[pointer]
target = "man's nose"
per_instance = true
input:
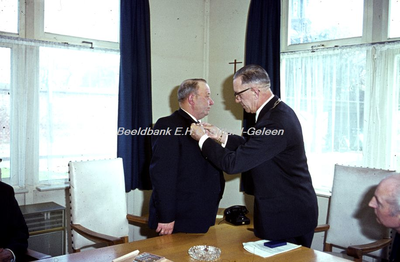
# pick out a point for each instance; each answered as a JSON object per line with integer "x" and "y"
{"x": 211, "y": 101}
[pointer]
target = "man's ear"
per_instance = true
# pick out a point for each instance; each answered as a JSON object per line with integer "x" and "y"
{"x": 256, "y": 91}
{"x": 191, "y": 99}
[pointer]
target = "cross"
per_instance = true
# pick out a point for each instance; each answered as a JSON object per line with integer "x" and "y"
{"x": 234, "y": 65}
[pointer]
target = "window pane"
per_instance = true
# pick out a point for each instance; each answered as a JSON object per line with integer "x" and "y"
{"x": 394, "y": 21}
{"x": 78, "y": 108}
{"x": 5, "y": 112}
{"x": 319, "y": 20}
{"x": 9, "y": 16}
{"x": 95, "y": 19}
{"x": 327, "y": 89}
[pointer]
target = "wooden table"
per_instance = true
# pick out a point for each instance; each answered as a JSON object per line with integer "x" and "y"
{"x": 175, "y": 247}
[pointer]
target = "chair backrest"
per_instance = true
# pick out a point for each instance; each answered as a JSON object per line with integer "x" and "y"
{"x": 351, "y": 220}
{"x": 97, "y": 198}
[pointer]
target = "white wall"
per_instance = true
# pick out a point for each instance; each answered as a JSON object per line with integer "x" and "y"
{"x": 178, "y": 49}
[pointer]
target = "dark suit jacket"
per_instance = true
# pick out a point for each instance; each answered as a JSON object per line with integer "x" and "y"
{"x": 13, "y": 230}
{"x": 395, "y": 250}
{"x": 186, "y": 187}
{"x": 285, "y": 201}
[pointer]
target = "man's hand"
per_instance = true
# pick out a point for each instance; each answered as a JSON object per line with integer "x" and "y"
{"x": 197, "y": 131}
{"x": 5, "y": 255}
{"x": 165, "y": 228}
{"x": 212, "y": 131}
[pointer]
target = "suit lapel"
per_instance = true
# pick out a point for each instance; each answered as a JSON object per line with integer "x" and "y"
{"x": 186, "y": 116}
{"x": 268, "y": 107}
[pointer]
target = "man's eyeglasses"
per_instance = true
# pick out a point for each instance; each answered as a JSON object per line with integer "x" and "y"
{"x": 238, "y": 93}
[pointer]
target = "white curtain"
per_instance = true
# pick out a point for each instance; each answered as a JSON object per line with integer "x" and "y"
{"x": 24, "y": 114}
{"x": 382, "y": 118}
{"x": 341, "y": 95}
{"x": 63, "y": 107}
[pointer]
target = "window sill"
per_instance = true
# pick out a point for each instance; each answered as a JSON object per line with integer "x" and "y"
{"x": 20, "y": 190}
{"x": 323, "y": 192}
{"x": 44, "y": 188}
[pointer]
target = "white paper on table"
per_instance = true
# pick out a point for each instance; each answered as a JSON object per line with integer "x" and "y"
{"x": 126, "y": 256}
{"x": 258, "y": 248}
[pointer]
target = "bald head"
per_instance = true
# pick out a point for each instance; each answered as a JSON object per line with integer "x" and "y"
{"x": 386, "y": 202}
{"x": 390, "y": 188}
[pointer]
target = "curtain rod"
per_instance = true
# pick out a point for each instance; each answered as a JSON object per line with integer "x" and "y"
{"x": 36, "y": 42}
{"x": 322, "y": 46}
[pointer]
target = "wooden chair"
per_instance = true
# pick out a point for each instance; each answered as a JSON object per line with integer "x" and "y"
{"x": 352, "y": 227}
{"x": 98, "y": 203}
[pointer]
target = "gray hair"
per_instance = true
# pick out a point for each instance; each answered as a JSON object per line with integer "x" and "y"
{"x": 253, "y": 74}
{"x": 188, "y": 87}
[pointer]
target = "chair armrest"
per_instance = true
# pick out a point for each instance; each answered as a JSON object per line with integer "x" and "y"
{"x": 137, "y": 220}
{"x": 357, "y": 251}
{"x": 321, "y": 228}
{"x": 35, "y": 255}
{"x": 97, "y": 237}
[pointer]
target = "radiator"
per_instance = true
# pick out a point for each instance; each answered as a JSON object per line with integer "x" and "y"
{"x": 46, "y": 225}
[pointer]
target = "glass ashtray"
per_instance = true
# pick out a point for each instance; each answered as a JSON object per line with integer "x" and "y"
{"x": 204, "y": 252}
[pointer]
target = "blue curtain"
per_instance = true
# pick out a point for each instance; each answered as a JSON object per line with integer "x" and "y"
{"x": 134, "y": 109}
{"x": 263, "y": 38}
{"x": 263, "y": 48}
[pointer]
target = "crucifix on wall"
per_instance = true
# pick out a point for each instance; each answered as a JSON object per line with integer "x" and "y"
{"x": 234, "y": 65}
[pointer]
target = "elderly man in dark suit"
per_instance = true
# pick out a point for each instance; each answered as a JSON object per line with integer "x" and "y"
{"x": 187, "y": 188}
{"x": 285, "y": 207}
{"x": 386, "y": 204}
{"x": 13, "y": 230}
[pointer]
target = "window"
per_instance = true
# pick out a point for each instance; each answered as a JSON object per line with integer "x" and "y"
{"x": 77, "y": 107}
{"x": 316, "y": 20}
{"x": 58, "y": 98}
{"x": 394, "y": 20}
{"x": 5, "y": 109}
{"x": 343, "y": 84}
{"x": 9, "y": 16}
{"x": 90, "y": 20}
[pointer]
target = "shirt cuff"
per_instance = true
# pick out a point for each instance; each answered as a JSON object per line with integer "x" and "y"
{"x": 226, "y": 141}
{"x": 12, "y": 260}
{"x": 202, "y": 139}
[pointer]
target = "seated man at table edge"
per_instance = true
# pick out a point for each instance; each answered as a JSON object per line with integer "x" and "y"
{"x": 386, "y": 204}
{"x": 13, "y": 230}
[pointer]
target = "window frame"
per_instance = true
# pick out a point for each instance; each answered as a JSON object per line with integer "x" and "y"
{"x": 31, "y": 26}
{"x": 375, "y": 28}
{"x": 375, "y": 33}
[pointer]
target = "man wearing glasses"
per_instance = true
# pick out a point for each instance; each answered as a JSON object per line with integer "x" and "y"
{"x": 285, "y": 203}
